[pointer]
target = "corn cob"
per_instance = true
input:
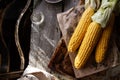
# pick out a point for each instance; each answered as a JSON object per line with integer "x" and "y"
{"x": 100, "y": 18}
{"x": 88, "y": 44}
{"x": 80, "y": 30}
{"x": 102, "y": 45}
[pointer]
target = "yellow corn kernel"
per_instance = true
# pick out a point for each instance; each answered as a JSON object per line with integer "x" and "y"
{"x": 102, "y": 45}
{"x": 91, "y": 37}
{"x": 80, "y": 30}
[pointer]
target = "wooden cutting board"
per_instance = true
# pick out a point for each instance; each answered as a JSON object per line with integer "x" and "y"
{"x": 67, "y": 21}
{"x": 91, "y": 67}
{"x": 112, "y": 57}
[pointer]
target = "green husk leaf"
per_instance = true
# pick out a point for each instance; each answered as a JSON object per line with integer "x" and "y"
{"x": 103, "y": 14}
{"x": 92, "y": 3}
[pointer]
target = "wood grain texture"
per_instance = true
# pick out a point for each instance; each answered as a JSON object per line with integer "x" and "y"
{"x": 48, "y": 34}
{"x": 71, "y": 3}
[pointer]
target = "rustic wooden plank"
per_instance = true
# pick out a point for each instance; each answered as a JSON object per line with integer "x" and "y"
{"x": 48, "y": 33}
{"x": 70, "y": 3}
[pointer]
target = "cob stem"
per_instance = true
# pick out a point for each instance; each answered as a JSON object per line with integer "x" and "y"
{"x": 95, "y": 4}
{"x": 103, "y": 14}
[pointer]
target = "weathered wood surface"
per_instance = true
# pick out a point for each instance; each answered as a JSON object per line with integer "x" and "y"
{"x": 45, "y": 37}
{"x": 49, "y": 32}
